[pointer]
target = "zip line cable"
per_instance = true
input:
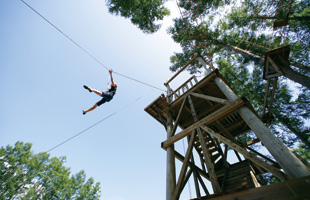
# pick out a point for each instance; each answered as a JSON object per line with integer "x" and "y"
{"x": 93, "y": 57}
{"x": 83, "y": 131}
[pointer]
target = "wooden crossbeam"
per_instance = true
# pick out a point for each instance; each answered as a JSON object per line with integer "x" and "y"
{"x": 207, "y": 97}
{"x": 275, "y": 65}
{"x": 187, "y": 176}
{"x": 205, "y": 189}
{"x": 188, "y": 154}
{"x": 249, "y": 143}
{"x": 178, "y": 117}
{"x": 265, "y": 157}
{"x": 192, "y": 165}
{"x": 207, "y": 120}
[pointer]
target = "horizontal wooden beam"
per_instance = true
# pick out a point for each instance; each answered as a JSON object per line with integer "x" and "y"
{"x": 249, "y": 143}
{"x": 182, "y": 69}
{"x": 206, "y": 97}
{"x": 207, "y": 120}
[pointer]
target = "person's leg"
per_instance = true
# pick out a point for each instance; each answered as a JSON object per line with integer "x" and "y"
{"x": 93, "y": 90}
{"x": 97, "y": 92}
{"x": 92, "y": 108}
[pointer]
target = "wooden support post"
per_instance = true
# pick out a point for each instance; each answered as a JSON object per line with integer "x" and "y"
{"x": 226, "y": 152}
{"x": 195, "y": 173}
{"x": 170, "y": 170}
{"x": 265, "y": 157}
{"x": 204, "y": 64}
{"x": 182, "y": 69}
{"x": 272, "y": 95}
{"x": 206, "y": 153}
{"x": 266, "y": 96}
{"x": 179, "y": 184}
{"x": 286, "y": 159}
{"x": 229, "y": 136}
{"x": 203, "y": 185}
{"x": 178, "y": 118}
{"x": 239, "y": 158}
{"x": 187, "y": 176}
{"x": 192, "y": 165}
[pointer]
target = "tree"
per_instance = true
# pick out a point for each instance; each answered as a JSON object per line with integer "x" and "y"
{"x": 142, "y": 13}
{"x": 25, "y": 175}
{"x": 243, "y": 28}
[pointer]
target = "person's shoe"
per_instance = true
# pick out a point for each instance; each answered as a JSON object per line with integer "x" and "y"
{"x": 87, "y": 88}
{"x": 84, "y": 112}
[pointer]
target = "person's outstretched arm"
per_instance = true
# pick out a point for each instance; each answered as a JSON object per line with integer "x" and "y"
{"x": 113, "y": 84}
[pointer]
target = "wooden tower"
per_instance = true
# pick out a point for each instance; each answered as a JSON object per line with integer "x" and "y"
{"x": 212, "y": 118}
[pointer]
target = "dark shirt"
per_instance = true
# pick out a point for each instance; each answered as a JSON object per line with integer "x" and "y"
{"x": 112, "y": 91}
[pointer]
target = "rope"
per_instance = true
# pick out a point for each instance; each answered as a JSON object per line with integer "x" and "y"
{"x": 89, "y": 54}
{"x": 93, "y": 125}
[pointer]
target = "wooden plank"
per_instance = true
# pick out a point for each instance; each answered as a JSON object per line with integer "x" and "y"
{"x": 294, "y": 189}
{"x": 265, "y": 157}
{"x": 272, "y": 95}
{"x": 207, "y": 97}
{"x": 178, "y": 117}
{"x": 160, "y": 115}
{"x": 249, "y": 143}
{"x": 208, "y": 160}
{"x": 188, "y": 154}
{"x": 275, "y": 65}
{"x": 198, "y": 85}
{"x": 280, "y": 23}
{"x": 182, "y": 69}
{"x": 207, "y": 120}
{"x": 203, "y": 185}
{"x": 178, "y": 90}
{"x": 246, "y": 154}
{"x": 192, "y": 165}
{"x": 187, "y": 176}
{"x": 266, "y": 96}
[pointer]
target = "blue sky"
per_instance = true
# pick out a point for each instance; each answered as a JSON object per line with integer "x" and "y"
{"x": 42, "y": 74}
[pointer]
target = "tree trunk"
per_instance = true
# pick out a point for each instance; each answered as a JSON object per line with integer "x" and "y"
{"x": 299, "y": 18}
{"x": 287, "y": 71}
{"x": 260, "y": 60}
{"x": 297, "y": 133}
{"x": 300, "y": 66}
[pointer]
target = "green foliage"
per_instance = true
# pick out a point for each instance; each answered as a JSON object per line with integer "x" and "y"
{"x": 244, "y": 25}
{"x": 142, "y": 13}
{"x": 25, "y": 175}
{"x": 304, "y": 152}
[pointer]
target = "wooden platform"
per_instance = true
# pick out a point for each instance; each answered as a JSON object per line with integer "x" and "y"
{"x": 208, "y": 120}
{"x": 207, "y": 99}
{"x": 274, "y": 61}
{"x": 294, "y": 189}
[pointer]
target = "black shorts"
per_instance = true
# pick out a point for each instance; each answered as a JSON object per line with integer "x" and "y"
{"x": 106, "y": 97}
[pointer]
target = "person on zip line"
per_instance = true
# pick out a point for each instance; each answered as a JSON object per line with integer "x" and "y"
{"x": 106, "y": 96}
